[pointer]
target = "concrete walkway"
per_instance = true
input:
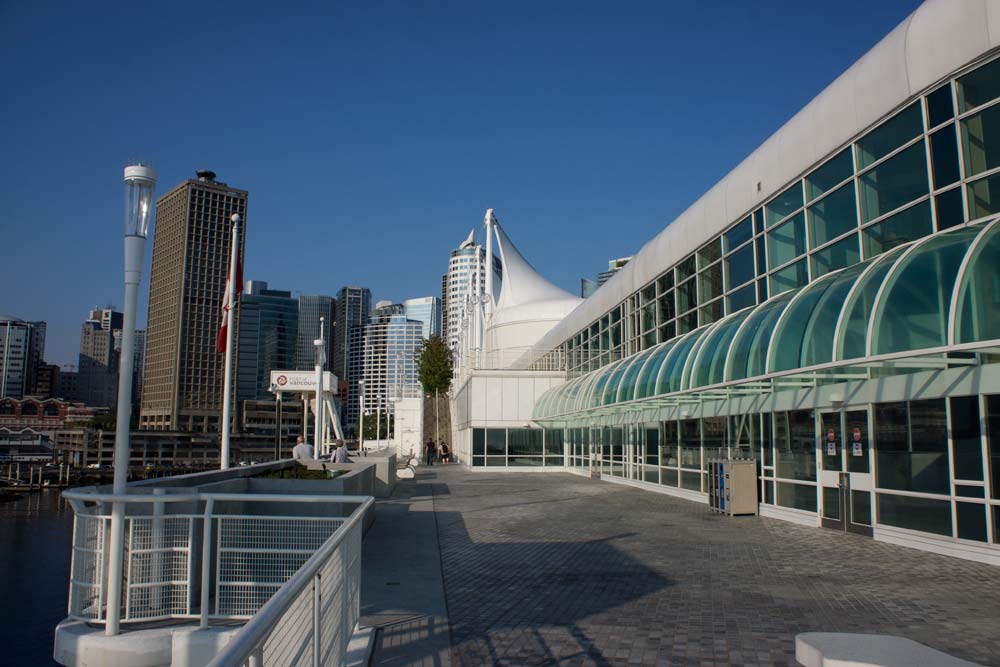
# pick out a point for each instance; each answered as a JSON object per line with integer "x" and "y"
{"x": 402, "y": 592}
{"x": 556, "y": 569}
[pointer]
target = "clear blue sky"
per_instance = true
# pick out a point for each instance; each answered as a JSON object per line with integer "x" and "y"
{"x": 373, "y": 135}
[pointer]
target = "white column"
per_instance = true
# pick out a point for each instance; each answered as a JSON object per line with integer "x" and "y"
{"x": 227, "y": 397}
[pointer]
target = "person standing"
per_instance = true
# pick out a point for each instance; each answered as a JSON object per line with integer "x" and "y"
{"x": 429, "y": 452}
{"x": 340, "y": 453}
{"x": 302, "y": 451}
{"x": 444, "y": 452}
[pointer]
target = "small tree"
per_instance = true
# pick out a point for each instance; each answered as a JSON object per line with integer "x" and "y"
{"x": 434, "y": 365}
{"x": 435, "y": 372}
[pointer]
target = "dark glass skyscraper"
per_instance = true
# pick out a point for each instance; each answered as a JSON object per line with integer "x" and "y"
{"x": 311, "y": 308}
{"x": 353, "y": 305}
{"x": 268, "y": 338}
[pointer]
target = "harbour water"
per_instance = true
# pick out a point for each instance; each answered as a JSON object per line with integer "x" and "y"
{"x": 34, "y": 575}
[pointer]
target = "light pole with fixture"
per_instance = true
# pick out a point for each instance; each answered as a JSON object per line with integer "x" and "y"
{"x": 361, "y": 416}
{"x": 140, "y": 182}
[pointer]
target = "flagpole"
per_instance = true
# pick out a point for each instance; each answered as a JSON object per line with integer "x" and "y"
{"x": 227, "y": 397}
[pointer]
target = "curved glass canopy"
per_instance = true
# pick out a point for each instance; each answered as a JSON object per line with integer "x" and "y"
{"x": 941, "y": 290}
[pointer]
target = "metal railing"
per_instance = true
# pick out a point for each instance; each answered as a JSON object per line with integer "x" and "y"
{"x": 188, "y": 564}
{"x": 310, "y": 619}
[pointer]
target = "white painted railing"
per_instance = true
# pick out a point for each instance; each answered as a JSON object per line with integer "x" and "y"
{"x": 187, "y": 564}
{"x": 310, "y": 619}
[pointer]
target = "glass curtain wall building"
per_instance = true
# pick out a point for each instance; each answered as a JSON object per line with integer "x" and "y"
{"x": 268, "y": 338}
{"x": 426, "y": 310}
{"x": 841, "y": 327}
{"x": 390, "y": 357}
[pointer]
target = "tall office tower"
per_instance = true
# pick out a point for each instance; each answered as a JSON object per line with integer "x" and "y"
{"x": 47, "y": 382}
{"x": 427, "y": 310}
{"x": 183, "y": 377}
{"x": 390, "y": 350}
{"x": 22, "y": 346}
{"x": 443, "y": 320}
{"x": 462, "y": 265}
{"x": 353, "y": 306}
{"x": 311, "y": 308}
{"x": 69, "y": 383}
{"x": 269, "y": 328}
{"x": 99, "y": 357}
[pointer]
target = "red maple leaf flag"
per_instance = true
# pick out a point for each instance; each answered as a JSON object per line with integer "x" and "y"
{"x": 221, "y": 344}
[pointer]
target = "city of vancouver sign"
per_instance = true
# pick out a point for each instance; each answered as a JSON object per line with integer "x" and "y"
{"x": 299, "y": 381}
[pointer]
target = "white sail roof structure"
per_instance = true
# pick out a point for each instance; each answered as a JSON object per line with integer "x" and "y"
{"x": 528, "y": 305}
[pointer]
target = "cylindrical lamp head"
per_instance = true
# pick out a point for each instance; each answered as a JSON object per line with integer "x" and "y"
{"x": 140, "y": 181}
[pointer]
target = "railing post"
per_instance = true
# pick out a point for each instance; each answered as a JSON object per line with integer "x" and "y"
{"x": 115, "y": 547}
{"x": 256, "y": 658}
{"x": 316, "y": 624}
{"x": 206, "y": 559}
{"x": 156, "y": 599}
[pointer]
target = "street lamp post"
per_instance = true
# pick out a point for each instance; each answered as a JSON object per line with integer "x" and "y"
{"x": 140, "y": 181}
{"x": 361, "y": 416}
{"x": 277, "y": 423}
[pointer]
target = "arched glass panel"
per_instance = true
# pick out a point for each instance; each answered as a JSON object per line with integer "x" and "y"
{"x": 645, "y": 384}
{"x": 583, "y": 401}
{"x": 712, "y": 363}
{"x": 611, "y": 388}
{"x": 913, "y": 313}
{"x": 596, "y": 394}
{"x": 703, "y": 335}
{"x": 817, "y": 340}
{"x": 786, "y": 342}
{"x": 569, "y": 399}
{"x": 626, "y": 389}
{"x": 748, "y": 351}
{"x": 857, "y": 312}
{"x": 540, "y": 409}
{"x": 672, "y": 369}
{"x": 979, "y": 301}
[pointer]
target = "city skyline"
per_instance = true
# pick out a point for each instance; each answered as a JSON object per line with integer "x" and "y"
{"x": 546, "y": 152}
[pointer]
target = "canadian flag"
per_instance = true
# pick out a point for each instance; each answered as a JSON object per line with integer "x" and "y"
{"x": 221, "y": 344}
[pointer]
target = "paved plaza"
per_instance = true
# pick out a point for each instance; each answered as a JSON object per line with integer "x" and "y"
{"x": 556, "y": 569}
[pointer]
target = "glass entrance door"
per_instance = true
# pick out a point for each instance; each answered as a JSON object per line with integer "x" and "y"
{"x": 845, "y": 476}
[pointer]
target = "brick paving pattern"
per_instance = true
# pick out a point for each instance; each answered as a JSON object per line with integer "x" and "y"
{"x": 556, "y": 569}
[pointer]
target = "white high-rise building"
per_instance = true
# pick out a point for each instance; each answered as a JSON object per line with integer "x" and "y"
{"x": 462, "y": 265}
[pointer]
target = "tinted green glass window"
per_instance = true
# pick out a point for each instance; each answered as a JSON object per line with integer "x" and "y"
{"x": 686, "y": 323}
{"x": 496, "y": 442}
{"x": 788, "y": 338}
{"x": 854, "y": 329}
{"x": 710, "y": 313}
{"x": 795, "y": 446}
{"x": 912, "y": 456}
{"x": 923, "y": 514}
{"x": 710, "y": 283}
{"x": 787, "y": 241}
{"x": 708, "y": 254}
{"x": 667, "y": 310}
{"x": 817, "y": 341}
{"x": 739, "y": 267}
{"x": 984, "y": 197}
{"x": 738, "y": 235}
{"x": 665, "y": 282}
{"x": 978, "y": 87}
{"x": 745, "y": 296}
{"x": 893, "y": 183}
{"x": 948, "y": 208}
{"x": 966, "y": 440}
{"x": 889, "y": 136}
{"x": 971, "y": 521}
{"x": 979, "y": 299}
{"x": 981, "y": 141}
{"x": 784, "y": 204}
{"x": 761, "y": 259}
{"x": 905, "y": 226}
{"x": 790, "y": 277}
{"x": 668, "y": 331}
{"x": 762, "y": 290}
{"x": 686, "y": 296}
{"x": 685, "y": 268}
{"x": 944, "y": 157}
{"x": 834, "y": 215}
{"x": 939, "y": 106}
{"x": 915, "y": 307}
{"x": 758, "y": 221}
{"x": 830, "y": 174}
{"x": 479, "y": 442}
{"x": 842, "y": 253}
